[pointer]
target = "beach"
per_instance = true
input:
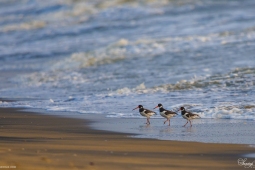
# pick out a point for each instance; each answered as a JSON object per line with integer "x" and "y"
{"x": 38, "y": 141}
{"x": 71, "y": 72}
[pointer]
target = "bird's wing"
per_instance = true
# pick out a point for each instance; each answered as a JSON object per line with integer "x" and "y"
{"x": 168, "y": 112}
{"x": 146, "y": 111}
{"x": 189, "y": 114}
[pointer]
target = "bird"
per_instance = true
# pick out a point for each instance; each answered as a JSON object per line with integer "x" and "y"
{"x": 145, "y": 112}
{"x": 165, "y": 113}
{"x": 188, "y": 115}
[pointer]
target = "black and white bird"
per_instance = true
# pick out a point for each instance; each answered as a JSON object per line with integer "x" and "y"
{"x": 188, "y": 115}
{"x": 165, "y": 113}
{"x": 145, "y": 112}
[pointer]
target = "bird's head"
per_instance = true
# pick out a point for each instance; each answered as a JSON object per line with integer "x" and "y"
{"x": 159, "y": 105}
{"x": 139, "y": 106}
{"x": 182, "y": 109}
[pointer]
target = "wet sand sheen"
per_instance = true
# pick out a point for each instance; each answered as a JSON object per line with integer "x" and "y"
{"x": 35, "y": 141}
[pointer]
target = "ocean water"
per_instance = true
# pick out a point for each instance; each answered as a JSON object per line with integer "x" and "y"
{"x": 106, "y": 57}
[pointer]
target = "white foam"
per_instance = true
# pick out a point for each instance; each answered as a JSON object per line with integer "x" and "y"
{"x": 230, "y": 112}
{"x": 139, "y": 89}
{"x": 24, "y": 26}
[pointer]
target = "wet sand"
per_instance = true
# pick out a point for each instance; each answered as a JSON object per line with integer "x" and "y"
{"x": 36, "y": 141}
{"x": 203, "y": 130}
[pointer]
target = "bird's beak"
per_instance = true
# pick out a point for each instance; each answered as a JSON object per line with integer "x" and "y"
{"x": 135, "y": 108}
{"x": 155, "y": 107}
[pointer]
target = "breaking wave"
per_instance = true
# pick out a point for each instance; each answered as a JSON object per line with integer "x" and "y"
{"x": 242, "y": 78}
{"x": 111, "y": 54}
{"x": 227, "y": 111}
{"x": 238, "y": 78}
{"x": 24, "y": 26}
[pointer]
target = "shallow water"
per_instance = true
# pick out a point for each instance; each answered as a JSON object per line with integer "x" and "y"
{"x": 106, "y": 57}
{"x": 203, "y": 130}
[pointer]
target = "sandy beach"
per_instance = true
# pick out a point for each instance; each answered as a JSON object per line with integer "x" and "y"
{"x": 37, "y": 141}
{"x": 72, "y": 71}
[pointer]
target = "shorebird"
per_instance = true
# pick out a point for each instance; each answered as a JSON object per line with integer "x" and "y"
{"x": 145, "y": 112}
{"x": 165, "y": 113}
{"x": 188, "y": 115}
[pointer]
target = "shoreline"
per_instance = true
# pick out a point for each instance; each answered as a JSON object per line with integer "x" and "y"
{"x": 38, "y": 141}
{"x": 228, "y": 131}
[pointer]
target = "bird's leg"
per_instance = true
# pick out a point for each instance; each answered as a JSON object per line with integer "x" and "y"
{"x": 169, "y": 122}
{"x": 190, "y": 123}
{"x": 165, "y": 121}
{"x": 185, "y": 124}
{"x": 148, "y": 121}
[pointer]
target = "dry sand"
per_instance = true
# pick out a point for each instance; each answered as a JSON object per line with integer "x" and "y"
{"x": 36, "y": 141}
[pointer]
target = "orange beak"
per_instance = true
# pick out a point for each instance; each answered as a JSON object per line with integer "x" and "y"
{"x": 136, "y": 108}
{"x": 155, "y": 107}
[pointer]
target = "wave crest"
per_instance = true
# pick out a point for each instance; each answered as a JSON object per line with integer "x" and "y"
{"x": 24, "y": 26}
{"x": 140, "y": 89}
{"x": 108, "y": 55}
{"x": 238, "y": 78}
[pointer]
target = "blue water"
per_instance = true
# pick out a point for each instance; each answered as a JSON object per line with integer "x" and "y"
{"x": 106, "y": 57}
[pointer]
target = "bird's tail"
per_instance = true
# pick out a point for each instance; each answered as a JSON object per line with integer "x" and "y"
{"x": 197, "y": 116}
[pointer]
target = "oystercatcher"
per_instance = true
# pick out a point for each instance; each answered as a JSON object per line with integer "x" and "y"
{"x": 145, "y": 112}
{"x": 165, "y": 113}
{"x": 188, "y": 115}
